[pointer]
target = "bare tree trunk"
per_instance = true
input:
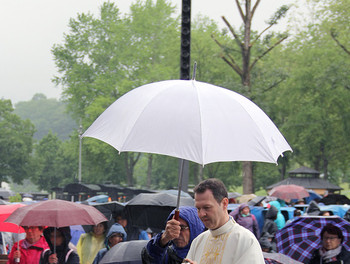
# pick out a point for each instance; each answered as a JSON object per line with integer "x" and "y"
{"x": 247, "y": 167}
{"x": 130, "y": 161}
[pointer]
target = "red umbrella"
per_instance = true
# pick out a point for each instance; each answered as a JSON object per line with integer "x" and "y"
{"x": 5, "y": 212}
{"x": 56, "y": 213}
{"x": 289, "y": 191}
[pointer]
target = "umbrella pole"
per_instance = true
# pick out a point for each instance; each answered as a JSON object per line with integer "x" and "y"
{"x": 177, "y": 211}
{"x": 3, "y": 243}
{"x": 54, "y": 241}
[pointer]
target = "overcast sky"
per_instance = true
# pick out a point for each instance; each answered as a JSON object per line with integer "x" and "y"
{"x": 30, "y": 28}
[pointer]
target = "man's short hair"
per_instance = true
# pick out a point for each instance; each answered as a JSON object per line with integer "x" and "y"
{"x": 216, "y": 186}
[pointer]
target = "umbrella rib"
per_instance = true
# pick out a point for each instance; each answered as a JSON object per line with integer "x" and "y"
{"x": 193, "y": 82}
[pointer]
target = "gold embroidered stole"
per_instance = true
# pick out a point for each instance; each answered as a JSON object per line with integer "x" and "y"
{"x": 214, "y": 249}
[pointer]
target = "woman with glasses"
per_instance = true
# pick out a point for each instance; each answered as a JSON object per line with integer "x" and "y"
{"x": 331, "y": 250}
{"x": 30, "y": 248}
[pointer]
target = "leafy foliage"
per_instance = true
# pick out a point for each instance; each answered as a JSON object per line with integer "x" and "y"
{"x": 46, "y": 114}
{"x": 16, "y": 140}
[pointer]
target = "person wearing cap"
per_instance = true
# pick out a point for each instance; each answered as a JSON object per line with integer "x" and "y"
{"x": 172, "y": 245}
{"x": 115, "y": 235}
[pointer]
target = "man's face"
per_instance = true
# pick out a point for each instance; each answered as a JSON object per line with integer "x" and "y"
{"x": 33, "y": 234}
{"x": 184, "y": 236}
{"x": 115, "y": 239}
{"x": 210, "y": 211}
{"x": 330, "y": 241}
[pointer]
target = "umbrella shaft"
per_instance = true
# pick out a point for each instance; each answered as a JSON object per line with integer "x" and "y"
{"x": 180, "y": 183}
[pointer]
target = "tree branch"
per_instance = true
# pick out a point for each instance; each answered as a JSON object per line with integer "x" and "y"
{"x": 333, "y": 34}
{"x": 255, "y": 6}
{"x": 237, "y": 39}
{"x": 262, "y": 32}
{"x": 240, "y": 9}
{"x": 267, "y": 51}
{"x": 273, "y": 85}
{"x": 232, "y": 63}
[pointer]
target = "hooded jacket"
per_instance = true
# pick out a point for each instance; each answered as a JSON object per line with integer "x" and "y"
{"x": 64, "y": 253}
{"x": 155, "y": 254}
{"x": 248, "y": 221}
{"x": 115, "y": 228}
{"x": 280, "y": 221}
{"x": 269, "y": 229}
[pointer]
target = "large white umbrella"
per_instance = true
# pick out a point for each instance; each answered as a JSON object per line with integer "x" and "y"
{"x": 190, "y": 120}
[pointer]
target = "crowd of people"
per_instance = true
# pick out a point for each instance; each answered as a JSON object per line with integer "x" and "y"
{"x": 206, "y": 233}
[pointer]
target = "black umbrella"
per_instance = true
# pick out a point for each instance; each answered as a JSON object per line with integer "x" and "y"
{"x": 110, "y": 210}
{"x": 255, "y": 201}
{"x": 335, "y": 199}
{"x": 125, "y": 253}
{"x": 152, "y": 209}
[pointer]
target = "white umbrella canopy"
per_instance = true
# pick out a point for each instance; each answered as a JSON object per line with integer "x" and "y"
{"x": 190, "y": 120}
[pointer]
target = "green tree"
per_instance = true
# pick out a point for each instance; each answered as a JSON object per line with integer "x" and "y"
{"x": 46, "y": 114}
{"x": 318, "y": 95}
{"x": 103, "y": 58}
{"x": 16, "y": 140}
{"x": 240, "y": 58}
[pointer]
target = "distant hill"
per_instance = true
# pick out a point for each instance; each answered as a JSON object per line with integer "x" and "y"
{"x": 46, "y": 114}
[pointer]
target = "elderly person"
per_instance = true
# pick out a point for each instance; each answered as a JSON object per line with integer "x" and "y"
{"x": 172, "y": 245}
{"x": 331, "y": 250}
{"x": 30, "y": 248}
{"x": 243, "y": 217}
{"x": 115, "y": 235}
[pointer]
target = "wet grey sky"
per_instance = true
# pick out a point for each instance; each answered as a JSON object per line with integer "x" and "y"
{"x": 29, "y": 29}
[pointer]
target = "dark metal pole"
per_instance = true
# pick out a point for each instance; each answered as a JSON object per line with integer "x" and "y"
{"x": 185, "y": 63}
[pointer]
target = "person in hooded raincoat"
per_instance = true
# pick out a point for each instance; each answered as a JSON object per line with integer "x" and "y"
{"x": 173, "y": 251}
{"x": 267, "y": 239}
{"x": 90, "y": 244}
{"x": 243, "y": 217}
{"x": 115, "y": 235}
{"x": 63, "y": 254}
{"x": 280, "y": 220}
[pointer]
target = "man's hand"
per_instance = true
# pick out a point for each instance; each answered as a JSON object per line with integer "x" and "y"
{"x": 188, "y": 261}
{"x": 172, "y": 231}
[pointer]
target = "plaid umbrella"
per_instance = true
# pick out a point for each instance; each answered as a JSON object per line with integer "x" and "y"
{"x": 300, "y": 238}
{"x": 278, "y": 258}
